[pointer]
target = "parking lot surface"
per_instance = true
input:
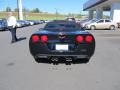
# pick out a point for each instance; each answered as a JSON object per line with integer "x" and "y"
{"x": 19, "y": 71}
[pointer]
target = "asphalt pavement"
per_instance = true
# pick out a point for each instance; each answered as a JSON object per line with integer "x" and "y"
{"x": 19, "y": 71}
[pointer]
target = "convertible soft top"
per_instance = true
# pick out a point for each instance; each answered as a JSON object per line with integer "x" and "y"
{"x": 62, "y": 24}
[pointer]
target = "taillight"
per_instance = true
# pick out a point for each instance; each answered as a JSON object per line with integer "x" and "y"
{"x": 79, "y": 39}
{"x": 44, "y": 38}
{"x": 35, "y": 38}
{"x": 89, "y": 39}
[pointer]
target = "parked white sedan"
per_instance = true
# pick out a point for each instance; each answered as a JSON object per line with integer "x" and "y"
{"x": 102, "y": 24}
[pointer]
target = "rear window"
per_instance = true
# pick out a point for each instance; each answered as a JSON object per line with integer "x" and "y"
{"x": 61, "y": 26}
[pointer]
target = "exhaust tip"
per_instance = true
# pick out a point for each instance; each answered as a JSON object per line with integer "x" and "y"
{"x": 68, "y": 59}
{"x": 57, "y": 60}
{"x": 54, "y": 59}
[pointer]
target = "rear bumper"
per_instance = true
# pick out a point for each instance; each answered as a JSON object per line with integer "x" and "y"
{"x": 57, "y": 55}
{"x": 41, "y": 51}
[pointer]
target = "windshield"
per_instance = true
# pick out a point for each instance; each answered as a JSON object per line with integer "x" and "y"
{"x": 93, "y": 21}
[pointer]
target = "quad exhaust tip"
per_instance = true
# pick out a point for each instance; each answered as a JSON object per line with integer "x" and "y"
{"x": 56, "y": 60}
{"x": 68, "y": 59}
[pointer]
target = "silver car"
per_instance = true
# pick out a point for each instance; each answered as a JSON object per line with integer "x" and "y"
{"x": 102, "y": 24}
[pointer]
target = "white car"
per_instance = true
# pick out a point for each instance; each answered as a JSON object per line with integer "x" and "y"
{"x": 83, "y": 24}
{"x": 31, "y": 22}
{"x": 18, "y": 25}
{"x": 102, "y": 24}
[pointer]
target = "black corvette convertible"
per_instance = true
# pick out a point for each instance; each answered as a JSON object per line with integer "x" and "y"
{"x": 62, "y": 41}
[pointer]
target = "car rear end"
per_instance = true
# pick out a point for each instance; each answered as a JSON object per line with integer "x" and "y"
{"x": 72, "y": 46}
{"x": 62, "y": 41}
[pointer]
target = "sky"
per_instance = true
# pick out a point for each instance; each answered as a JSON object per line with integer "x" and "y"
{"x": 62, "y": 6}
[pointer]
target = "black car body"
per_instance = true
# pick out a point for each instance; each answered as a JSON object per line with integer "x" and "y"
{"x": 3, "y": 24}
{"x": 62, "y": 41}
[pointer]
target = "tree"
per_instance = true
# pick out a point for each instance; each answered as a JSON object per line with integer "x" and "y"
{"x": 8, "y": 9}
{"x": 25, "y": 10}
{"x": 36, "y": 10}
{"x": 16, "y": 9}
{"x": 71, "y": 15}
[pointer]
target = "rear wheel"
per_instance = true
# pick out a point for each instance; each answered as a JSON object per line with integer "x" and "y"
{"x": 86, "y": 60}
{"x": 37, "y": 60}
{"x": 92, "y": 27}
{"x": 68, "y": 63}
{"x": 112, "y": 27}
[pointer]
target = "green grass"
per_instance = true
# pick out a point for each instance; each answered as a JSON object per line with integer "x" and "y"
{"x": 36, "y": 16}
{"x": 44, "y": 17}
{"x": 3, "y": 15}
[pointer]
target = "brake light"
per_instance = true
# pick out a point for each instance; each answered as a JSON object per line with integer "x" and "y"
{"x": 89, "y": 39}
{"x": 35, "y": 38}
{"x": 44, "y": 38}
{"x": 79, "y": 39}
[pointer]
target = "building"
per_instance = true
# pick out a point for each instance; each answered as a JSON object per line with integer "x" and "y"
{"x": 103, "y": 5}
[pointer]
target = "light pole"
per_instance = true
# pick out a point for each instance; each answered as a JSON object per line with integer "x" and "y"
{"x": 56, "y": 12}
{"x": 20, "y": 13}
{"x": 18, "y": 10}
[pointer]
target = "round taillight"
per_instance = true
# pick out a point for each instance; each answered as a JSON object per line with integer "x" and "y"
{"x": 44, "y": 38}
{"x": 89, "y": 39}
{"x": 79, "y": 39}
{"x": 35, "y": 38}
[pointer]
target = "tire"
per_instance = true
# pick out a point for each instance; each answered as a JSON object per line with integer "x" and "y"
{"x": 68, "y": 63}
{"x": 55, "y": 63}
{"x": 112, "y": 27}
{"x": 86, "y": 60}
{"x": 92, "y": 27}
{"x": 37, "y": 60}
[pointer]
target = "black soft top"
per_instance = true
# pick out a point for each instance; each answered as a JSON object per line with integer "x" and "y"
{"x": 62, "y": 25}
